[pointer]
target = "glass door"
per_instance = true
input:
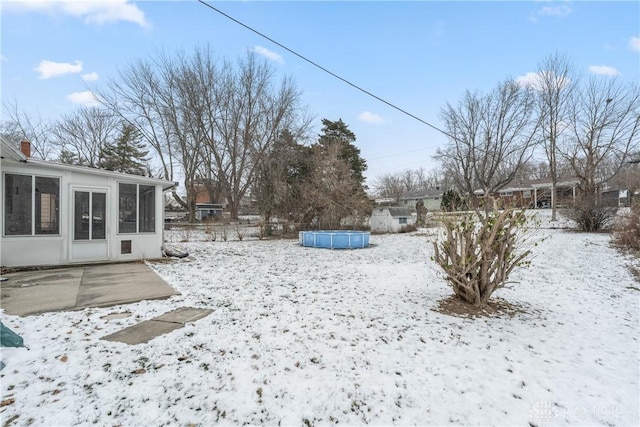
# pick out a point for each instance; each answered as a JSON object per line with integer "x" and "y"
{"x": 89, "y": 231}
{"x": 89, "y": 215}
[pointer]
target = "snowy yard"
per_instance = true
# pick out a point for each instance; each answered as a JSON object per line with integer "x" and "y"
{"x": 303, "y": 336}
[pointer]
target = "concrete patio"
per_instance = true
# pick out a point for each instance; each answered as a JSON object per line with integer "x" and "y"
{"x": 32, "y": 292}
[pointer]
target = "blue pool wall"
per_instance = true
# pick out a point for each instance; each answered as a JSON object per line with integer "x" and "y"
{"x": 334, "y": 239}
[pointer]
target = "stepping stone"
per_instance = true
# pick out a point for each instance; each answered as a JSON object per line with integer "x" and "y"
{"x": 149, "y": 329}
{"x": 184, "y": 315}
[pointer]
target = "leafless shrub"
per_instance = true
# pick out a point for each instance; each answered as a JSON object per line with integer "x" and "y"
{"x": 626, "y": 230}
{"x": 223, "y": 234}
{"x": 408, "y": 228}
{"x": 480, "y": 250}
{"x": 262, "y": 232}
{"x": 590, "y": 214}
{"x": 211, "y": 232}
{"x": 240, "y": 232}
{"x": 185, "y": 233}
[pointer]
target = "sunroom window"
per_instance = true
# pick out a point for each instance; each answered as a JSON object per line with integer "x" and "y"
{"x": 136, "y": 208}
{"x": 31, "y": 205}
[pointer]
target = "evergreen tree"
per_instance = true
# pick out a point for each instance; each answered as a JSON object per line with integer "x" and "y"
{"x": 339, "y": 133}
{"x": 452, "y": 201}
{"x": 281, "y": 176}
{"x": 336, "y": 189}
{"x": 127, "y": 154}
{"x": 68, "y": 157}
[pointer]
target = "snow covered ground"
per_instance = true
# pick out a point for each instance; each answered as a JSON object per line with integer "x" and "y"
{"x": 303, "y": 336}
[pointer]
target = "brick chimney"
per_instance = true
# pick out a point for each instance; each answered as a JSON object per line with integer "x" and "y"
{"x": 25, "y": 147}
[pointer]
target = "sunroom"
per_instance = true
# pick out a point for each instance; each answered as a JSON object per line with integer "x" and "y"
{"x": 59, "y": 214}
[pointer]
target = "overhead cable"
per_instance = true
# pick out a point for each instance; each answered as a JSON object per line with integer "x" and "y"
{"x": 326, "y": 70}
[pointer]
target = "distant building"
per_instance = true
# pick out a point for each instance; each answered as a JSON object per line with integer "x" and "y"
{"x": 530, "y": 193}
{"x": 390, "y": 220}
{"x": 208, "y": 211}
{"x": 432, "y": 199}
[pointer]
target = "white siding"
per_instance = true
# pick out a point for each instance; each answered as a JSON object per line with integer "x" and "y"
{"x": 60, "y": 249}
{"x": 383, "y": 222}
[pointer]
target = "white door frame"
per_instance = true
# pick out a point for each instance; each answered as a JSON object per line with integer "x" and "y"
{"x": 88, "y": 250}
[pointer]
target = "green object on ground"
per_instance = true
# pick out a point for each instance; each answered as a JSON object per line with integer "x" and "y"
{"x": 8, "y": 338}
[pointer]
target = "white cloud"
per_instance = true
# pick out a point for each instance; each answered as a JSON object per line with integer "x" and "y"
{"x": 93, "y": 12}
{"x": 86, "y": 98}
{"x": 538, "y": 80}
{"x": 370, "y": 118}
{"x": 268, "y": 54}
{"x": 556, "y": 10}
{"x": 634, "y": 43}
{"x": 49, "y": 69}
{"x": 604, "y": 70}
{"x": 529, "y": 79}
{"x": 90, "y": 77}
{"x": 560, "y": 10}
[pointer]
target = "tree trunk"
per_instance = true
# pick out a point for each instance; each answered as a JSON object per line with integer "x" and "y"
{"x": 553, "y": 198}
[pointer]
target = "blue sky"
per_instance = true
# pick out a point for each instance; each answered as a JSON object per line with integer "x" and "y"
{"x": 417, "y": 55}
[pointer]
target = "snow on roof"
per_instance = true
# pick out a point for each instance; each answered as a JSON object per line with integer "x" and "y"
{"x": 7, "y": 150}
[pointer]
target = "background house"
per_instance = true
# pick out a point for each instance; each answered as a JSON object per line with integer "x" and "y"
{"x": 532, "y": 193}
{"x": 614, "y": 197}
{"x": 57, "y": 214}
{"x": 390, "y": 220}
{"x": 432, "y": 199}
{"x": 208, "y": 211}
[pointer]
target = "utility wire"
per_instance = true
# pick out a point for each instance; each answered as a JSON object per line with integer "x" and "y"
{"x": 325, "y": 70}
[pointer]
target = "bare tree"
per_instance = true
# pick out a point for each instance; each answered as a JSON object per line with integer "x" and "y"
{"x": 534, "y": 169}
{"x": 281, "y": 177}
{"x": 554, "y": 83}
{"x": 204, "y": 119}
{"x": 389, "y": 186}
{"x": 21, "y": 126}
{"x": 394, "y": 185}
{"x": 415, "y": 179}
{"x": 85, "y": 134}
{"x": 462, "y": 123}
{"x": 605, "y": 131}
{"x": 435, "y": 179}
{"x": 491, "y": 137}
{"x": 605, "y": 119}
{"x": 150, "y": 95}
{"x": 251, "y": 113}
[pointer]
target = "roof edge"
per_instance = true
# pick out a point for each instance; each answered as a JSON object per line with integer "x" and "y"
{"x": 13, "y": 152}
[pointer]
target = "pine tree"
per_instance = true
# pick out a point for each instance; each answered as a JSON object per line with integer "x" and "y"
{"x": 339, "y": 133}
{"x": 127, "y": 154}
{"x": 68, "y": 157}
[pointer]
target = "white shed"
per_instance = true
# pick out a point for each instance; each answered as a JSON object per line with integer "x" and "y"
{"x": 390, "y": 220}
{"x": 58, "y": 214}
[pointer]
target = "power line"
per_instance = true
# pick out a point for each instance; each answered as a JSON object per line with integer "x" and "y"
{"x": 399, "y": 154}
{"x": 326, "y": 70}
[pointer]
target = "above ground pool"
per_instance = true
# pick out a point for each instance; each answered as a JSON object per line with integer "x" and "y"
{"x": 334, "y": 239}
